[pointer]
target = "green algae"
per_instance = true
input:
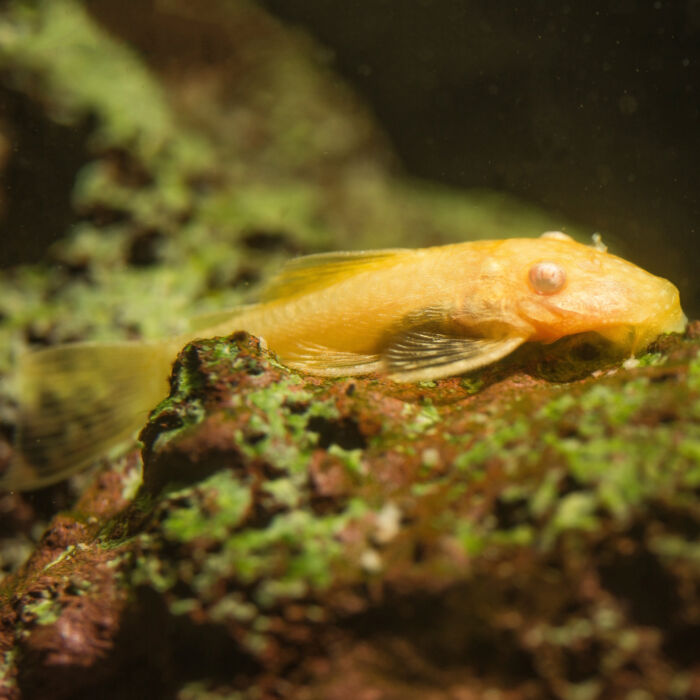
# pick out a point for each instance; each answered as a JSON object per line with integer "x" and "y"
{"x": 283, "y": 436}
{"x": 227, "y": 501}
{"x": 181, "y": 403}
{"x": 419, "y": 419}
{"x": 350, "y": 459}
{"x": 313, "y": 543}
{"x": 69, "y": 550}
{"x": 8, "y": 661}
{"x": 617, "y": 462}
{"x": 44, "y": 611}
{"x": 295, "y": 552}
{"x": 57, "y": 39}
{"x": 472, "y": 385}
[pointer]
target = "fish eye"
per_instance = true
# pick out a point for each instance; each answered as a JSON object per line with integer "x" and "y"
{"x": 547, "y": 277}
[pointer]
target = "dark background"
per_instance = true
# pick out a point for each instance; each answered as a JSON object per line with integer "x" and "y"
{"x": 588, "y": 108}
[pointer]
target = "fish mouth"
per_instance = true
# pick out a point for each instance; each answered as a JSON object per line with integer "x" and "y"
{"x": 576, "y": 356}
{"x": 624, "y": 336}
{"x": 681, "y": 323}
{"x": 637, "y": 337}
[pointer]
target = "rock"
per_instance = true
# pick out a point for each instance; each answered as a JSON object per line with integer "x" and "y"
{"x": 312, "y": 538}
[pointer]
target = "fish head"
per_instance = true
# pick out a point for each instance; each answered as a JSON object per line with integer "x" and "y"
{"x": 560, "y": 287}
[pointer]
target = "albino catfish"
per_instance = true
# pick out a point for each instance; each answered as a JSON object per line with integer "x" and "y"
{"x": 408, "y": 314}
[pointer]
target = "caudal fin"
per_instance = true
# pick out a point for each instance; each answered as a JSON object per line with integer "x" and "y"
{"x": 79, "y": 400}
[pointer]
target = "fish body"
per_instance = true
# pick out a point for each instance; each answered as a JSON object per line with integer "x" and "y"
{"x": 409, "y": 314}
{"x": 341, "y": 313}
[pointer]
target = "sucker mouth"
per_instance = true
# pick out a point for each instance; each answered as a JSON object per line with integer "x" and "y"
{"x": 624, "y": 336}
{"x": 681, "y": 324}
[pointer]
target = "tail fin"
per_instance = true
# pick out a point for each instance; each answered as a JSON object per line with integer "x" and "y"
{"x": 77, "y": 401}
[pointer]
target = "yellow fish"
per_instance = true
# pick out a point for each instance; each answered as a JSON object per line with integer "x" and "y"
{"x": 408, "y": 314}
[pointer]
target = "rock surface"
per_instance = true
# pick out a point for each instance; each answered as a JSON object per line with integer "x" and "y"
{"x": 306, "y": 538}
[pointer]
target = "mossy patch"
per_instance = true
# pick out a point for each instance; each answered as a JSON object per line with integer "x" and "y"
{"x": 219, "y": 505}
{"x": 44, "y": 611}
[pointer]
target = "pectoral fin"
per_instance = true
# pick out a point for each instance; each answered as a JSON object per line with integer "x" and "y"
{"x": 420, "y": 354}
{"x": 327, "y": 362}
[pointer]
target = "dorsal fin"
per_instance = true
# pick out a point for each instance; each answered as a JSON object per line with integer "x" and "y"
{"x": 313, "y": 272}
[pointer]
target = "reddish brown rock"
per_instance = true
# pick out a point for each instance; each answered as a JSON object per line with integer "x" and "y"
{"x": 313, "y": 538}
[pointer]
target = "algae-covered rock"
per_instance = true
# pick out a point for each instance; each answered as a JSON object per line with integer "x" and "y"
{"x": 526, "y": 531}
{"x": 306, "y": 538}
